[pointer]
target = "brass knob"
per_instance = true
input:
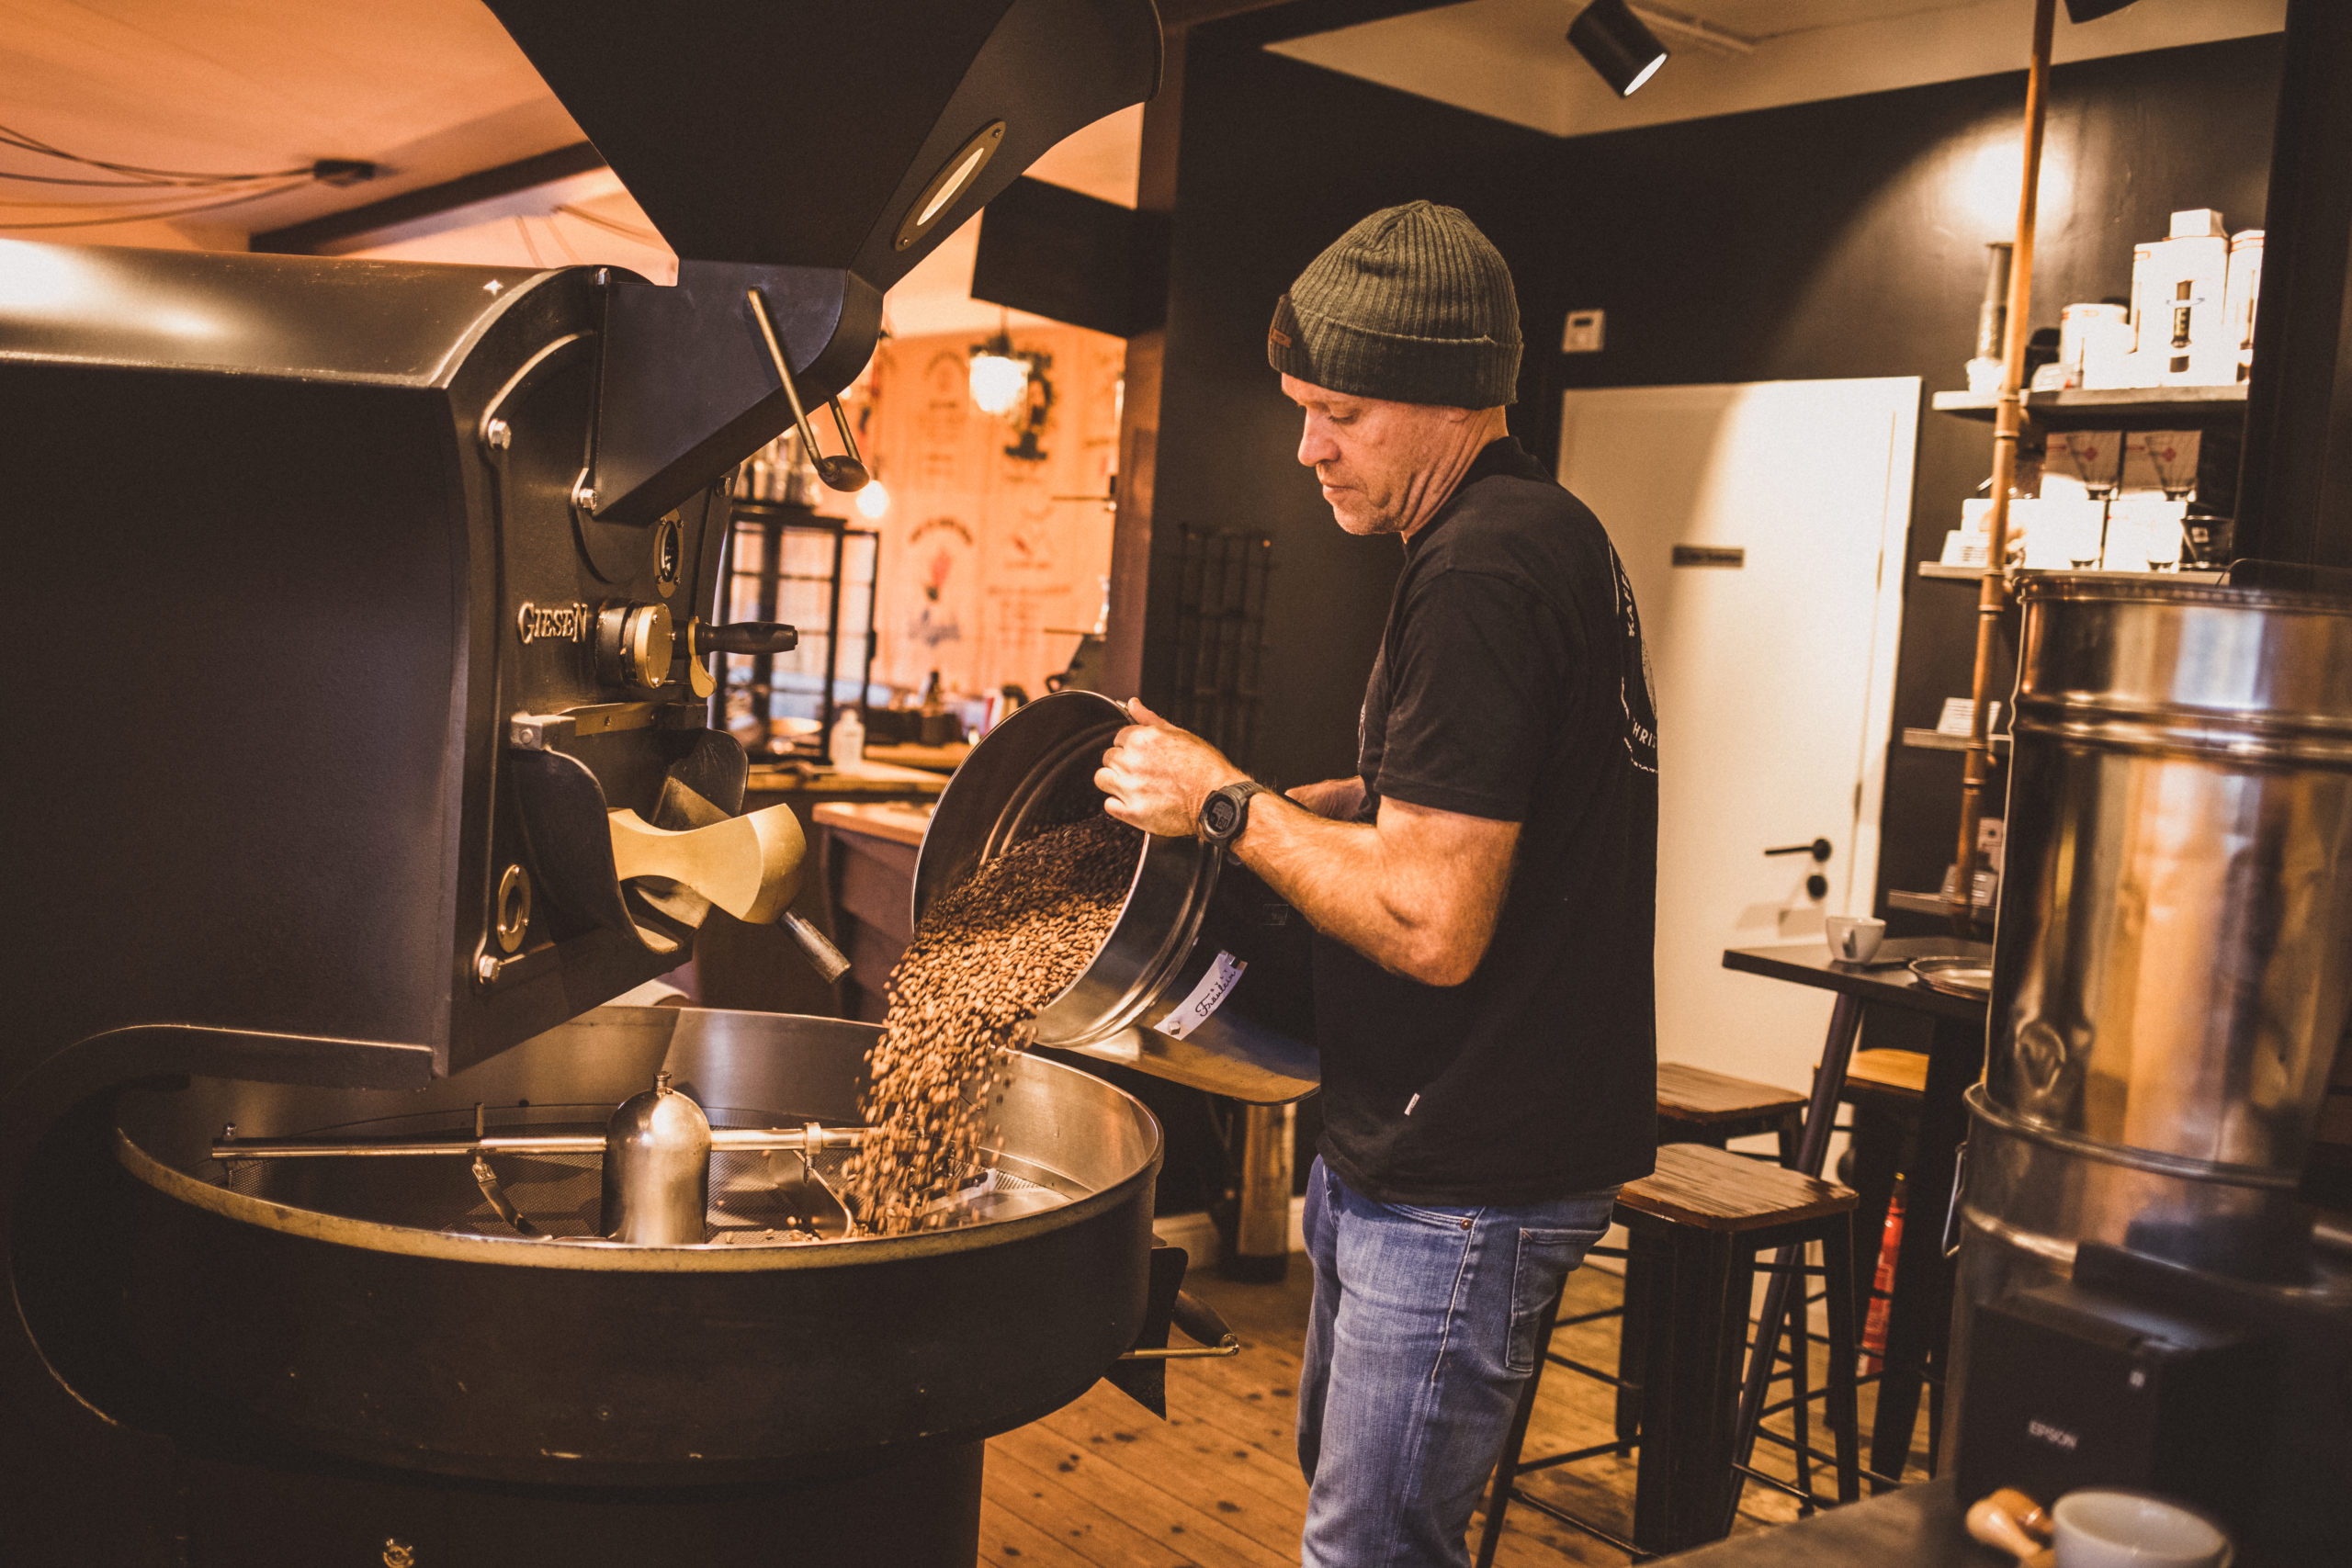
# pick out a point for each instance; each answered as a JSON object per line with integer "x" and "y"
{"x": 634, "y": 644}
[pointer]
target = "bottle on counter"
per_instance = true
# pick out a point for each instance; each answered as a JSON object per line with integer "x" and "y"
{"x": 845, "y": 747}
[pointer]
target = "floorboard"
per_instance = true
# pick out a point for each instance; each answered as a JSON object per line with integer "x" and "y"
{"x": 1103, "y": 1483}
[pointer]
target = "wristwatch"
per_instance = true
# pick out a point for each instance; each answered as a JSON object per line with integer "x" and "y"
{"x": 1226, "y": 812}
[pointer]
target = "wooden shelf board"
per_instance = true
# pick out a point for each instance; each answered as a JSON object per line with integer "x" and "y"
{"x": 2116, "y": 408}
{"x": 1937, "y": 740}
{"x": 1933, "y": 904}
{"x": 1976, "y": 574}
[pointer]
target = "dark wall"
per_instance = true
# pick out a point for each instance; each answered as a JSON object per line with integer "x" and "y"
{"x": 1847, "y": 238}
{"x": 1819, "y": 239}
{"x": 1277, "y": 160}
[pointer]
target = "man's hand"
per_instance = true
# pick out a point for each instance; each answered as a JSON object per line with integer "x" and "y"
{"x": 1155, "y": 775}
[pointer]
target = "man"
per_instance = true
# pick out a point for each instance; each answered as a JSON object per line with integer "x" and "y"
{"x": 1482, "y": 890}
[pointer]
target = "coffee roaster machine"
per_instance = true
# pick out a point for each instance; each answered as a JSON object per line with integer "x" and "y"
{"x": 373, "y": 606}
{"x": 2145, "y": 1299}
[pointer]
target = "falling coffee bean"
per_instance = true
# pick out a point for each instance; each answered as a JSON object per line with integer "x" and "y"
{"x": 962, "y": 999}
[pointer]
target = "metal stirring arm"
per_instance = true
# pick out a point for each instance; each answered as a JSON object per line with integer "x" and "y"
{"x": 811, "y": 1139}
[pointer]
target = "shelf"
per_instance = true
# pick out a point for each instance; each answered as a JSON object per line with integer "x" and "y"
{"x": 2116, "y": 408}
{"x": 1933, "y": 904}
{"x": 1937, "y": 740}
{"x": 1976, "y": 574}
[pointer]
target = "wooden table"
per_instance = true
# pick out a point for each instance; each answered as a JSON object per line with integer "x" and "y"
{"x": 1920, "y": 1315}
{"x": 868, "y": 860}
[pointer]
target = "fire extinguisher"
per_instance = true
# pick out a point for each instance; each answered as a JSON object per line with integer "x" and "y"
{"x": 1890, "y": 1247}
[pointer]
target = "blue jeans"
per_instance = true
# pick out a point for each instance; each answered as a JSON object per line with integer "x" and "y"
{"x": 1423, "y": 1330}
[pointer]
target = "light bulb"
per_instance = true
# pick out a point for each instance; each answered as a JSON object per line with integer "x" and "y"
{"x": 998, "y": 383}
{"x": 873, "y": 499}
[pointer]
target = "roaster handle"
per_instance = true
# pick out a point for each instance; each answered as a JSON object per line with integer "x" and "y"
{"x": 1200, "y": 1320}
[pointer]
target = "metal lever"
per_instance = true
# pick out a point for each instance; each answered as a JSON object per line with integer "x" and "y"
{"x": 1820, "y": 849}
{"x": 1200, "y": 1320}
{"x": 845, "y": 473}
{"x": 831, "y": 963}
{"x": 748, "y": 865}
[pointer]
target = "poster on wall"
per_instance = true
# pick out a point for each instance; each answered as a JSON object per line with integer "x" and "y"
{"x": 999, "y": 536}
{"x": 934, "y": 600}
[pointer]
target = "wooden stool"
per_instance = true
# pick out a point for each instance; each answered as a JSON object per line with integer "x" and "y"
{"x": 1885, "y": 1089}
{"x": 1695, "y": 1106}
{"x": 1711, "y": 1215}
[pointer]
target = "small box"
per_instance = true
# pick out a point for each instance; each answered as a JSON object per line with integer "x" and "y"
{"x": 2160, "y": 462}
{"x": 2091, "y": 459}
{"x": 2181, "y": 336}
{"x": 2144, "y": 533}
{"x": 2197, "y": 223}
{"x": 2245, "y": 294}
{"x": 2064, "y": 535}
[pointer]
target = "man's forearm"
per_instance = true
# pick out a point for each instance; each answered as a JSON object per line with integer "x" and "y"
{"x": 1345, "y": 879}
{"x": 1339, "y": 799}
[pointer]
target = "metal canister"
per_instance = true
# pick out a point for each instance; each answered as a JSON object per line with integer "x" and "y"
{"x": 2173, "y": 968}
{"x": 1205, "y": 978}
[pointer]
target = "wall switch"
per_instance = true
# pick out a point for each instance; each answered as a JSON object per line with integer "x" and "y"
{"x": 1582, "y": 334}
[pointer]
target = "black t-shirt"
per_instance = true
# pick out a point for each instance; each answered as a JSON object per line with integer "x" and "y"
{"x": 1510, "y": 684}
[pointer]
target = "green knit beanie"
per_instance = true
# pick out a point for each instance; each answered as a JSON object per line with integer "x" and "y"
{"x": 1413, "y": 305}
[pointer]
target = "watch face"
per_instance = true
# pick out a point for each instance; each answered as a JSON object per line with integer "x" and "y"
{"x": 1221, "y": 812}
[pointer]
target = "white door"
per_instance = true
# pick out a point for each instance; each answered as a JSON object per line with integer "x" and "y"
{"x": 1763, "y": 528}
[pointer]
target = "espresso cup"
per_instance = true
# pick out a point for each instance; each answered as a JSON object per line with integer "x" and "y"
{"x": 1853, "y": 939}
{"x": 2133, "y": 1530}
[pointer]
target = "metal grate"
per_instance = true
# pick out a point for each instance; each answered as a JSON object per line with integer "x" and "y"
{"x": 1220, "y": 629}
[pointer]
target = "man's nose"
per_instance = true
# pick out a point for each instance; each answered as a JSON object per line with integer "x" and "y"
{"x": 1315, "y": 445}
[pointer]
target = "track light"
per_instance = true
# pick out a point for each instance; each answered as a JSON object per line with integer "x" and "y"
{"x": 1614, "y": 43}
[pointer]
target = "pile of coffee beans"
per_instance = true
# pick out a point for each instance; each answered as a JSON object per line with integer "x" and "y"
{"x": 987, "y": 955}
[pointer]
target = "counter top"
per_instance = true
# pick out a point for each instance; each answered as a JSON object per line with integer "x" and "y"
{"x": 937, "y": 758}
{"x": 867, "y": 778}
{"x": 1915, "y": 1527}
{"x": 894, "y": 821}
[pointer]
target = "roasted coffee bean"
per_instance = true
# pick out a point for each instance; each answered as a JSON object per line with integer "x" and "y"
{"x": 962, "y": 998}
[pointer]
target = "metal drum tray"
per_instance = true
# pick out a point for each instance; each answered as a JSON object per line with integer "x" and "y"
{"x": 377, "y": 1308}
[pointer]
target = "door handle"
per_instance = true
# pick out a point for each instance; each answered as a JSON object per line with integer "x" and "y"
{"x": 1820, "y": 849}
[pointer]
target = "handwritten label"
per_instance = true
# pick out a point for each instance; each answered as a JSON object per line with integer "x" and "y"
{"x": 1206, "y": 998}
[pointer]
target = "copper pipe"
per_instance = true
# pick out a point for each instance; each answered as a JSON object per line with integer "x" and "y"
{"x": 2008, "y": 416}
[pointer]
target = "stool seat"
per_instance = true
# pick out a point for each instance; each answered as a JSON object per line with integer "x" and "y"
{"x": 1899, "y": 1072}
{"x": 1714, "y": 1190}
{"x": 1705, "y": 1099}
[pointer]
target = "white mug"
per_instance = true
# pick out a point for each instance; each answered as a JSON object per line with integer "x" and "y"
{"x": 2097, "y": 1528}
{"x": 1853, "y": 937}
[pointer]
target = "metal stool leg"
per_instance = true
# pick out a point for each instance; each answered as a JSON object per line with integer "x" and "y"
{"x": 1836, "y": 1253}
{"x": 1801, "y": 1386}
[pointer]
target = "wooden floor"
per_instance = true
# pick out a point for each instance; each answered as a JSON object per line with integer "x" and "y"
{"x": 1104, "y": 1483}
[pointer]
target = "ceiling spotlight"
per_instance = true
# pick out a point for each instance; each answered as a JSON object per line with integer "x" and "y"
{"x": 1614, "y": 43}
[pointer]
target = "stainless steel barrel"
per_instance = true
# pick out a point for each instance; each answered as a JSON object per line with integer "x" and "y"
{"x": 2172, "y": 966}
{"x": 1205, "y": 978}
{"x": 2173, "y": 963}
